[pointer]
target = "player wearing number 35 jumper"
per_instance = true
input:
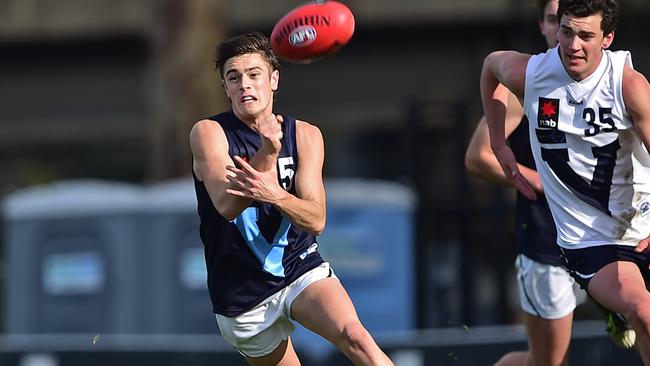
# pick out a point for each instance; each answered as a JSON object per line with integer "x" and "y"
{"x": 589, "y": 131}
{"x": 261, "y": 200}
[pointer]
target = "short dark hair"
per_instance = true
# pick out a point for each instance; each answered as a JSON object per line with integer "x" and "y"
{"x": 608, "y": 9}
{"x": 253, "y": 42}
{"x": 541, "y": 5}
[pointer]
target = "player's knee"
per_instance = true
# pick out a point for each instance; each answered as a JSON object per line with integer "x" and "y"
{"x": 639, "y": 316}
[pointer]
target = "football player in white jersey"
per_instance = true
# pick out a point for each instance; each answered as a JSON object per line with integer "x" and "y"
{"x": 548, "y": 294}
{"x": 590, "y": 131}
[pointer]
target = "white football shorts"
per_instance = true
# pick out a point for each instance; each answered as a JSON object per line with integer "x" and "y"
{"x": 546, "y": 291}
{"x": 260, "y": 330}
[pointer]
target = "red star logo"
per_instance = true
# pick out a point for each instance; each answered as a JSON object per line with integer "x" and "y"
{"x": 548, "y": 109}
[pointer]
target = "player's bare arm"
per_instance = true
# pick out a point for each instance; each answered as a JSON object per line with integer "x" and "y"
{"x": 479, "y": 157}
{"x": 503, "y": 71}
{"x": 211, "y": 161}
{"x": 309, "y": 212}
{"x": 307, "y": 208}
{"x": 636, "y": 94}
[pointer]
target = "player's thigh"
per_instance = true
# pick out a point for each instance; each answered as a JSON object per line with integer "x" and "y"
{"x": 325, "y": 308}
{"x": 619, "y": 286}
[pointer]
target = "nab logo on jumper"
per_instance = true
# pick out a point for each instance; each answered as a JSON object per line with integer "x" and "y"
{"x": 548, "y": 113}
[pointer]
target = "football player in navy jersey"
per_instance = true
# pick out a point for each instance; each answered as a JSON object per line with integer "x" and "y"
{"x": 546, "y": 290}
{"x": 589, "y": 126}
{"x": 261, "y": 201}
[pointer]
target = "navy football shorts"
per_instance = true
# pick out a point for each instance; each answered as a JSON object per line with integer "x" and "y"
{"x": 585, "y": 262}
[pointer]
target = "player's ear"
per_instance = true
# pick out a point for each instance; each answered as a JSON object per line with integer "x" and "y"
{"x": 275, "y": 80}
{"x": 607, "y": 40}
{"x": 223, "y": 85}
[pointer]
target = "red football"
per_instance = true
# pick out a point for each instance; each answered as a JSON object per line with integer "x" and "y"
{"x": 312, "y": 31}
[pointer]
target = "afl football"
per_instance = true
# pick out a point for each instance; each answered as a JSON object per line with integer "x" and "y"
{"x": 312, "y": 31}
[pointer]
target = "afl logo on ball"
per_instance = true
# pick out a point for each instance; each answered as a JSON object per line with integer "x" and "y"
{"x": 302, "y": 36}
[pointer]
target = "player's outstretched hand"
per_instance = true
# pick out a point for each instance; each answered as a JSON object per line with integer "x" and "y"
{"x": 643, "y": 245}
{"x": 508, "y": 163}
{"x": 250, "y": 183}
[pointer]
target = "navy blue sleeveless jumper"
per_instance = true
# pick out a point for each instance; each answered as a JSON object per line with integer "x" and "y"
{"x": 260, "y": 251}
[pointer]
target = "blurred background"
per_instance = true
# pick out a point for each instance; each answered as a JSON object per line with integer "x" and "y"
{"x": 101, "y": 261}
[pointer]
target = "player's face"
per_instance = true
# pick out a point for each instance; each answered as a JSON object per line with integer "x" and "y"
{"x": 549, "y": 25}
{"x": 581, "y": 44}
{"x": 249, "y": 84}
